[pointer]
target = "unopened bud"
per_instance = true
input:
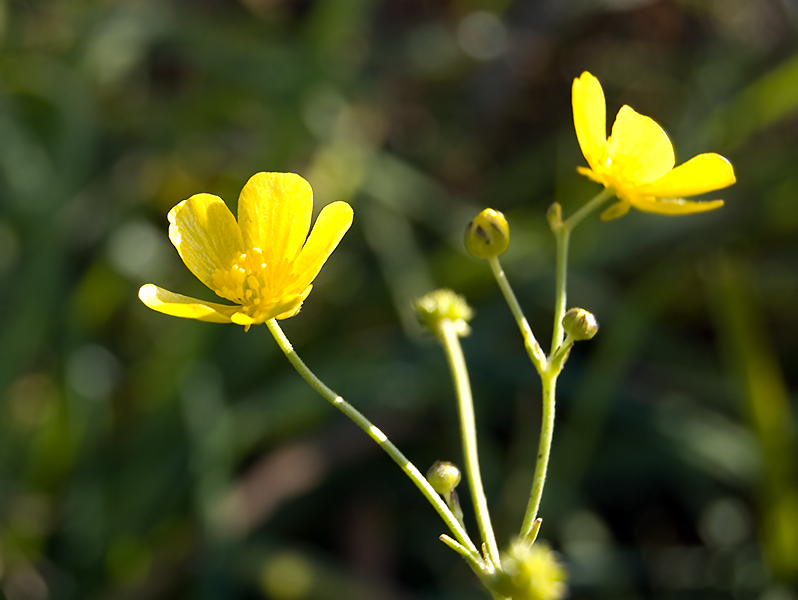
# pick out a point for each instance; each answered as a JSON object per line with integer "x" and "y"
{"x": 554, "y": 216}
{"x": 580, "y": 324}
{"x": 488, "y": 235}
{"x": 443, "y": 476}
{"x": 443, "y": 304}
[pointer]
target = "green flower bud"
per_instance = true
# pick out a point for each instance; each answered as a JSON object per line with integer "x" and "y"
{"x": 443, "y": 477}
{"x": 488, "y": 235}
{"x": 580, "y": 324}
{"x": 554, "y": 216}
{"x": 443, "y": 304}
{"x": 531, "y": 572}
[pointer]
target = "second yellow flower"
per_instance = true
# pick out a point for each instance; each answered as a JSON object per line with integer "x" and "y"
{"x": 637, "y": 162}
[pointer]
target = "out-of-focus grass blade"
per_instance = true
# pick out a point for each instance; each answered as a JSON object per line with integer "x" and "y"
{"x": 766, "y": 101}
{"x": 766, "y": 402}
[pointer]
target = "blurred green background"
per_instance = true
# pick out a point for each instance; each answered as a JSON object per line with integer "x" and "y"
{"x": 143, "y": 456}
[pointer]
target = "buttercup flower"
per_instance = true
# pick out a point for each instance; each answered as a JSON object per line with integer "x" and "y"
{"x": 265, "y": 263}
{"x": 636, "y": 161}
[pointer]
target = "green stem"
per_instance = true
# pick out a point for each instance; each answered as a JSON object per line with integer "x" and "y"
{"x": 549, "y": 384}
{"x": 559, "y": 351}
{"x": 536, "y": 354}
{"x": 563, "y": 236}
{"x": 457, "y": 365}
{"x": 557, "y": 359}
{"x": 571, "y": 222}
{"x": 378, "y": 436}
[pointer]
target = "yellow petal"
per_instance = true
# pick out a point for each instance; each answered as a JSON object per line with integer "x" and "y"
{"x": 178, "y": 305}
{"x": 284, "y": 307}
{"x": 700, "y": 174}
{"x": 639, "y": 149}
{"x": 301, "y": 298}
{"x": 244, "y": 319}
{"x": 676, "y": 206}
{"x": 590, "y": 174}
{"x": 333, "y": 222}
{"x": 205, "y": 234}
{"x": 287, "y": 305}
{"x": 274, "y": 211}
{"x": 590, "y": 119}
{"x": 614, "y": 211}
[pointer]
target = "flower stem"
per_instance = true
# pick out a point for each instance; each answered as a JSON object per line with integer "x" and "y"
{"x": 536, "y": 354}
{"x": 553, "y": 365}
{"x": 378, "y": 436}
{"x": 563, "y": 236}
{"x": 588, "y": 208}
{"x": 457, "y": 365}
{"x": 549, "y": 384}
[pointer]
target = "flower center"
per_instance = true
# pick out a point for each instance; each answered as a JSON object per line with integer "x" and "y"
{"x": 255, "y": 281}
{"x": 623, "y": 171}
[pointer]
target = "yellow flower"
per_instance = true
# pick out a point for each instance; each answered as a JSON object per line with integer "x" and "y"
{"x": 636, "y": 161}
{"x": 264, "y": 263}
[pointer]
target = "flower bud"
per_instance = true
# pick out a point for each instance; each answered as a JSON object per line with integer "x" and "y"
{"x": 531, "y": 572}
{"x": 580, "y": 324}
{"x": 443, "y": 304}
{"x": 443, "y": 476}
{"x": 488, "y": 235}
{"x": 554, "y": 216}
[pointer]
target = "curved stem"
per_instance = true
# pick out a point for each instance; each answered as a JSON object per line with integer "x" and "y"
{"x": 536, "y": 354}
{"x": 588, "y": 208}
{"x": 549, "y": 384}
{"x": 468, "y": 431}
{"x": 378, "y": 436}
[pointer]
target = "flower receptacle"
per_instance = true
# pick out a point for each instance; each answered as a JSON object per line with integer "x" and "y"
{"x": 436, "y": 306}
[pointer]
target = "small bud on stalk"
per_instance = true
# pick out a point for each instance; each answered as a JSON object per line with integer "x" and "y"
{"x": 554, "y": 216}
{"x": 488, "y": 235}
{"x": 580, "y": 324}
{"x": 443, "y": 476}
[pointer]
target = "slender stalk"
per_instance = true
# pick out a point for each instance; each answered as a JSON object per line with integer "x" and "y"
{"x": 378, "y": 436}
{"x": 549, "y": 381}
{"x": 588, "y": 208}
{"x": 468, "y": 431}
{"x": 559, "y": 351}
{"x": 536, "y": 354}
{"x": 558, "y": 357}
{"x": 455, "y": 546}
{"x": 563, "y": 236}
